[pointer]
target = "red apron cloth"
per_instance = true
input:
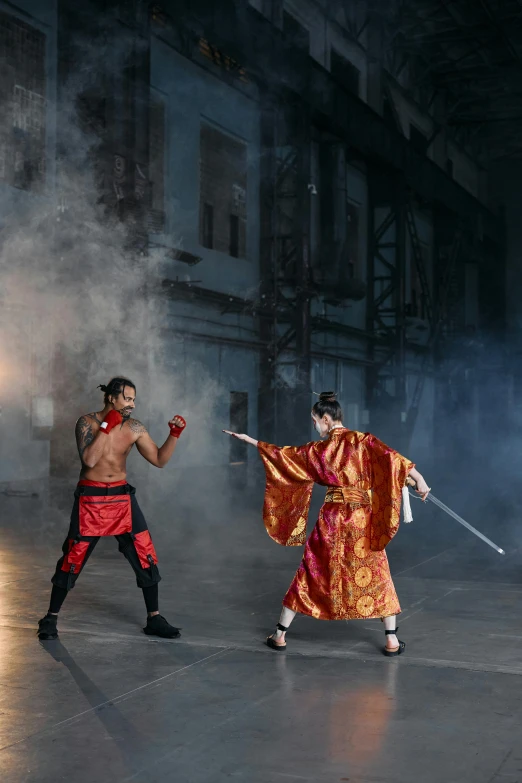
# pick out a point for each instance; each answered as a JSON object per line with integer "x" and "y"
{"x": 105, "y": 515}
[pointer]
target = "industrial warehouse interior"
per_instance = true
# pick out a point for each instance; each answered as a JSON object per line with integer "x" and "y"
{"x": 224, "y": 218}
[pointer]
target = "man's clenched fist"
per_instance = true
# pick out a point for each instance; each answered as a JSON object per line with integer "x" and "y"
{"x": 112, "y": 419}
{"x": 177, "y": 425}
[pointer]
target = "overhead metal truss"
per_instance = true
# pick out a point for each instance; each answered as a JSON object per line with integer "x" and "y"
{"x": 471, "y": 52}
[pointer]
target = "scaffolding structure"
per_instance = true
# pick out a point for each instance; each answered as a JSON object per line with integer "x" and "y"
{"x": 300, "y": 101}
{"x": 302, "y": 104}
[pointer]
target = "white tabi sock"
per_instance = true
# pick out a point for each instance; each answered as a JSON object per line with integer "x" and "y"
{"x": 287, "y": 615}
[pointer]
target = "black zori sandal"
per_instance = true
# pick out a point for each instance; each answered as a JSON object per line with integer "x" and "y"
{"x": 398, "y": 650}
{"x": 271, "y": 643}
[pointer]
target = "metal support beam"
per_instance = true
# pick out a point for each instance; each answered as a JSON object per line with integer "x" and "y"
{"x": 419, "y": 263}
{"x": 446, "y": 262}
{"x": 386, "y": 379}
{"x": 285, "y": 263}
{"x": 267, "y": 403}
{"x": 301, "y": 234}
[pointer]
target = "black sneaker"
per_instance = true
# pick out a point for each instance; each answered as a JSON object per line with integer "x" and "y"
{"x": 47, "y": 629}
{"x": 158, "y": 626}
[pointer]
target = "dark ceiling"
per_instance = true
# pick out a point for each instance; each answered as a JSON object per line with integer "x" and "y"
{"x": 466, "y": 56}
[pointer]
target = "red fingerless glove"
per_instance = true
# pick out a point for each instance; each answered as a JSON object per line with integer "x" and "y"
{"x": 176, "y": 431}
{"x": 112, "y": 419}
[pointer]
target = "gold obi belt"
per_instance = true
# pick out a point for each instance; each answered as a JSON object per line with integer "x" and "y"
{"x": 355, "y": 497}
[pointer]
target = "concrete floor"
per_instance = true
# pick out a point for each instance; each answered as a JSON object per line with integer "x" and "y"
{"x": 106, "y": 703}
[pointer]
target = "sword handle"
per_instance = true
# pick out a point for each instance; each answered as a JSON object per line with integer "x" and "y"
{"x": 410, "y": 482}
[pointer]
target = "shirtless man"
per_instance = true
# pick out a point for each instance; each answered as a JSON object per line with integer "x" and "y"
{"x": 105, "y": 504}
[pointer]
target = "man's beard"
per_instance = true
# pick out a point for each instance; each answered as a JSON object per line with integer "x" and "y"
{"x": 126, "y": 413}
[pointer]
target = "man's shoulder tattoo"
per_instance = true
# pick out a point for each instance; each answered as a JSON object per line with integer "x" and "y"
{"x": 84, "y": 434}
{"x": 137, "y": 427}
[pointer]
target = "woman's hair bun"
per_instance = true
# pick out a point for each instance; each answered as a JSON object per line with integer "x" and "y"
{"x": 328, "y": 404}
{"x": 329, "y": 396}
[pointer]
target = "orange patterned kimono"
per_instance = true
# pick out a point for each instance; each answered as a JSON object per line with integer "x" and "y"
{"x": 344, "y": 573}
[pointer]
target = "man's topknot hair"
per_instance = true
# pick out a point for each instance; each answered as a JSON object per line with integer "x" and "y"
{"x": 115, "y": 387}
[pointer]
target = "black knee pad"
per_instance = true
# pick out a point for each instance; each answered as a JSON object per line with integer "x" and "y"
{"x": 64, "y": 579}
{"x": 145, "y": 577}
{"x": 148, "y": 577}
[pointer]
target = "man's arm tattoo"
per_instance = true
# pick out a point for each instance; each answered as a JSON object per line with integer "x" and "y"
{"x": 84, "y": 434}
{"x": 137, "y": 427}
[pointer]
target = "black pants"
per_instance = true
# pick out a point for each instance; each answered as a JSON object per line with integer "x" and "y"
{"x": 136, "y": 546}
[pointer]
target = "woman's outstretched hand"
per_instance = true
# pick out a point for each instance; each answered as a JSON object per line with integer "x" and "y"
{"x": 239, "y": 436}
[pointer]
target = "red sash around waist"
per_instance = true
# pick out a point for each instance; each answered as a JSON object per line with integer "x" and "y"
{"x": 358, "y": 497}
{"x": 89, "y": 483}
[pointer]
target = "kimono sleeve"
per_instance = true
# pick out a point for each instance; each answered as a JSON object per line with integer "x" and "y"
{"x": 289, "y": 484}
{"x": 389, "y": 471}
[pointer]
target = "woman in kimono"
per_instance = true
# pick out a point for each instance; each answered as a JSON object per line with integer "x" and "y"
{"x": 344, "y": 573}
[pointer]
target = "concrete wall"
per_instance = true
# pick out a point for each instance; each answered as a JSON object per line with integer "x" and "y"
{"x": 346, "y": 378}
{"x": 348, "y": 381}
{"x": 465, "y": 171}
{"x": 327, "y": 32}
{"x": 409, "y": 112}
{"x": 421, "y": 446}
{"x": 24, "y": 337}
{"x": 196, "y": 335}
{"x": 193, "y": 96}
{"x": 328, "y": 28}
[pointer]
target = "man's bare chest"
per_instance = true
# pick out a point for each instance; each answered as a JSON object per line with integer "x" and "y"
{"x": 119, "y": 441}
